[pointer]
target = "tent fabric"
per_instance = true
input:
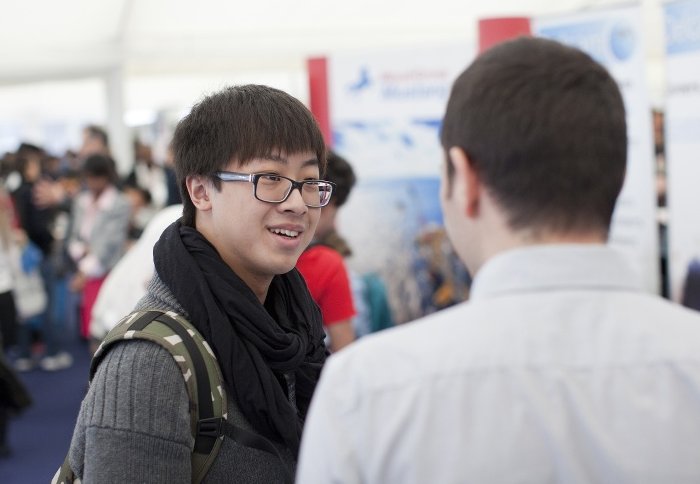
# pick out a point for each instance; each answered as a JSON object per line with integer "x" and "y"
{"x": 42, "y": 40}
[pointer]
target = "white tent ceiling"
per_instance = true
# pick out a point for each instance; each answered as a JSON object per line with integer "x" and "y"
{"x": 66, "y": 63}
{"x": 43, "y": 39}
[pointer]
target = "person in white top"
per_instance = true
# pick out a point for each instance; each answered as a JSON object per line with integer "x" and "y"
{"x": 126, "y": 283}
{"x": 559, "y": 369}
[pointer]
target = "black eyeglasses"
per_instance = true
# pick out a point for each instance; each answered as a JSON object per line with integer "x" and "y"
{"x": 273, "y": 188}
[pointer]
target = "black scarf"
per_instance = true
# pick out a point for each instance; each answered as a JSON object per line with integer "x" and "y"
{"x": 258, "y": 347}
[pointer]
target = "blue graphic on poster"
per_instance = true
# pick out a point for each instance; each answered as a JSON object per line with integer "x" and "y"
{"x": 682, "y": 19}
{"x": 622, "y": 41}
{"x": 603, "y": 40}
{"x": 682, "y": 22}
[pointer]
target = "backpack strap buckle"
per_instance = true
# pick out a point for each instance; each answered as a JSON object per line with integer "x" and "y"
{"x": 210, "y": 427}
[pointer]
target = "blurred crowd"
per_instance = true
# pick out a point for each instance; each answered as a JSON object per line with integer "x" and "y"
{"x": 66, "y": 221}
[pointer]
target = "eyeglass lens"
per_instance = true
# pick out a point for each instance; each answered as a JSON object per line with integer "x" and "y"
{"x": 272, "y": 188}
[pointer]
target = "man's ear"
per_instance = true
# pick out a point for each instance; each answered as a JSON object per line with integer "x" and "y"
{"x": 466, "y": 183}
{"x": 198, "y": 187}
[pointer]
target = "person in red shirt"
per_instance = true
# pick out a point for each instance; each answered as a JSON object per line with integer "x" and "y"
{"x": 323, "y": 265}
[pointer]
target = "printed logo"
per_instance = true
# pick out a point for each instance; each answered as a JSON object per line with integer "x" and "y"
{"x": 362, "y": 82}
{"x": 622, "y": 41}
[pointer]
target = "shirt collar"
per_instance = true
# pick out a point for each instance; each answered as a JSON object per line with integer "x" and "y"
{"x": 557, "y": 266}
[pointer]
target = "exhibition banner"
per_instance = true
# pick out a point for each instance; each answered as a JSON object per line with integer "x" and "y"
{"x": 614, "y": 37}
{"x": 682, "y": 19}
{"x": 385, "y": 110}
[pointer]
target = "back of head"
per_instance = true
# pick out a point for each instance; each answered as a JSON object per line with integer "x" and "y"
{"x": 340, "y": 172}
{"x": 241, "y": 123}
{"x": 97, "y": 133}
{"x": 99, "y": 166}
{"x": 544, "y": 127}
{"x": 95, "y": 142}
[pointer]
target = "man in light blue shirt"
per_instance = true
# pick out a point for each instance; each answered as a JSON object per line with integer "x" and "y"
{"x": 559, "y": 368}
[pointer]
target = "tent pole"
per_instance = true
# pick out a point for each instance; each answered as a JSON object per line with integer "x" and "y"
{"x": 120, "y": 144}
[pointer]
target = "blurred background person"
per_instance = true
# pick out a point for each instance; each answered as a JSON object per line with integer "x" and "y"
{"x": 148, "y": 175}
{"x": 322, "y": 264}
{"x": 40, "y": 331}
{"x": 13, "y": 395}
{"x": 142, "y": 210}
{"x": 8, "y": 256}
{"x": 171, "y": 178}
{"x": 48, "y": 193}
{"x": 98, "y": 232}
{"x": 95, "y": 142}
{"x": 126, "y": 283}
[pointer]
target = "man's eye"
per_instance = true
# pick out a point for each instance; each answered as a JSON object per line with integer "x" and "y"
{"x": 271, "y": 178}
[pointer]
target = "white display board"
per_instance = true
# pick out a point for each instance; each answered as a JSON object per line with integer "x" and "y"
{"x": 386, "y": 107}
{"x": 385, "y": 112}
{"x": 614, "y": 37}
{"x": 682, "y": 20}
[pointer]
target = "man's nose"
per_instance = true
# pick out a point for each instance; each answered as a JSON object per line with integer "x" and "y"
{"x": 295, "y": 201}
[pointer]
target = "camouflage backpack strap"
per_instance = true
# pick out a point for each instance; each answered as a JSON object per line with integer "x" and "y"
{"x": 65, "y": 475}
{"x": 200, "y": 371}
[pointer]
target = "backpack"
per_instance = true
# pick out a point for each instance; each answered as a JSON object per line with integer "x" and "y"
{"x": 203, "y": 381}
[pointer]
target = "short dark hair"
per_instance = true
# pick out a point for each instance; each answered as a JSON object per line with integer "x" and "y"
{"x": 340, "y": 172}
{"x": 544, "y": 127}
{"x": 99, "y": 166}
{"x": 144, "y": 193}
{"x": 27, "y": 152}
{"x": 97, "y": 132}
{"x": 25, "y": 149}
{"x": 241, "y": 123}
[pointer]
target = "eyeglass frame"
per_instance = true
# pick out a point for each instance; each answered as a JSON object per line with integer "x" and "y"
{"x": 232, "y": 176}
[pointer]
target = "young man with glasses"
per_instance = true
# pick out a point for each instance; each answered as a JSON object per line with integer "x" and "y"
{"x": 248, "y": 161}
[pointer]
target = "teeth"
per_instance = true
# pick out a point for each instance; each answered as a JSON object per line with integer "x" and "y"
{"x": 288, "y": 233}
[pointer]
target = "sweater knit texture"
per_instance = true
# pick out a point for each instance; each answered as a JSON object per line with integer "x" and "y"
{"x": 133, "y": 425}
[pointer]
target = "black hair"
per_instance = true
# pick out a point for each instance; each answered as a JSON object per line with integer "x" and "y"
{"x": 99, "y": 166}
{"x": 340, "y": 172}
{"x": 241, "y": 123}
{"x": 26, "y": 153}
